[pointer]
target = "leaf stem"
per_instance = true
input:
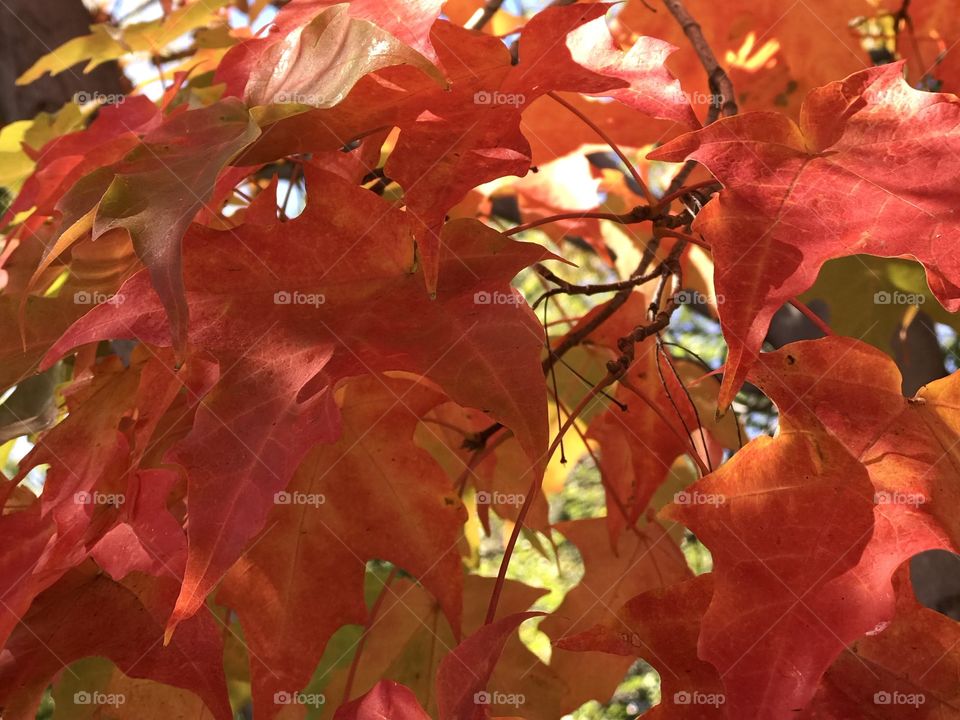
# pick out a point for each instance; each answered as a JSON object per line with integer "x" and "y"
{"x": 651, "y": 200}
{"x": 534, "y": 489}
{"x": 812, "y": 317}
{"x": 683, "y": 236}
{"x": 622, "y": 219}
{"x": 371, "y": 619}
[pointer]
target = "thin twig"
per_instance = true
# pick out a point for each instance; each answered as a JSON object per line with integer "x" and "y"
{"x": 638, "y": 214}
{"x": 634, "y": 173}
{"x": 684, "y": 440}
{"x": 355, "y": 662}
{"x": 533, "y": 491}
{"x": 720, "y": 85}
{"x": 568, "y": 288}
{"x": 812, "y": 317}
{"x": 489, "y": 10}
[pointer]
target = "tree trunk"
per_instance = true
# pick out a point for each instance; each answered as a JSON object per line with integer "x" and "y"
{"x": 30, "y": 29}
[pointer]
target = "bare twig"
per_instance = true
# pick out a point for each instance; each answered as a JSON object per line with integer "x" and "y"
{"x": 721, "y": 87}
{"x": 812, "y": 317}
{"x": 533, "y": 491}
{"x": 568, "y": 288}
{"x": 371, "y": 619}
{"x": 638, "y": 214}
{"x": 634, "y": 173}
{"x": 489, "y": 10}
{"x": 723, "y": 100}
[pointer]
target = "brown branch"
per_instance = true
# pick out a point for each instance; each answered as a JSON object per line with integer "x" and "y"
{"x": 568, "y": 288}
{"x": 723, "y": 99}
{"x": 721, "y": 87}
{"x": 533, "y": 491}
{"x": 634, "y": 173}
{"x": 489, "y": 10}
{"x": 638, "y": 214}
{"x": 478, "y": 441}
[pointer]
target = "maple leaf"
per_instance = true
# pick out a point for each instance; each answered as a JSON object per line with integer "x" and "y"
{"x": 652, "y": 90}
{"x": 89, "y": 506}
{"x": 386, "y": 701}
{"x": 463, "y": 674}
{"x": 663, "y": 627}
{"x": 286, "y": 326}
{"x": 157, "y": 188}
{"x": 341, "y": 510}
{"x": 472, "y": 134}
{"x": 774, "y": 580}
{"x": 65, "y": 159}
{"x": 97, "y": 679}
{"x": 907, "y": 665}
{"x": 106, "y": 42}
{"x": 318, "y": 50}
{"x": 905, "y": 444}
{"x": 647, "y": 559}
{"x": 409, "y": 627}
{"x": 81, "y": 615}
{"x": 862, "y": 173}
{"x": 827, "y": 459}
{"x": 146, "y": 537}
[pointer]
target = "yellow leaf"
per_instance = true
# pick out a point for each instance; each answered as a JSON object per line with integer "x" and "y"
{"x": 15, "y": 164}
{"x": 106, "y": 42}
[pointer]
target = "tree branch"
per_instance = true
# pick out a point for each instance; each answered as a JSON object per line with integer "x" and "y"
{"x": 489, "y": 10}
{"x": 720, "y": 85}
